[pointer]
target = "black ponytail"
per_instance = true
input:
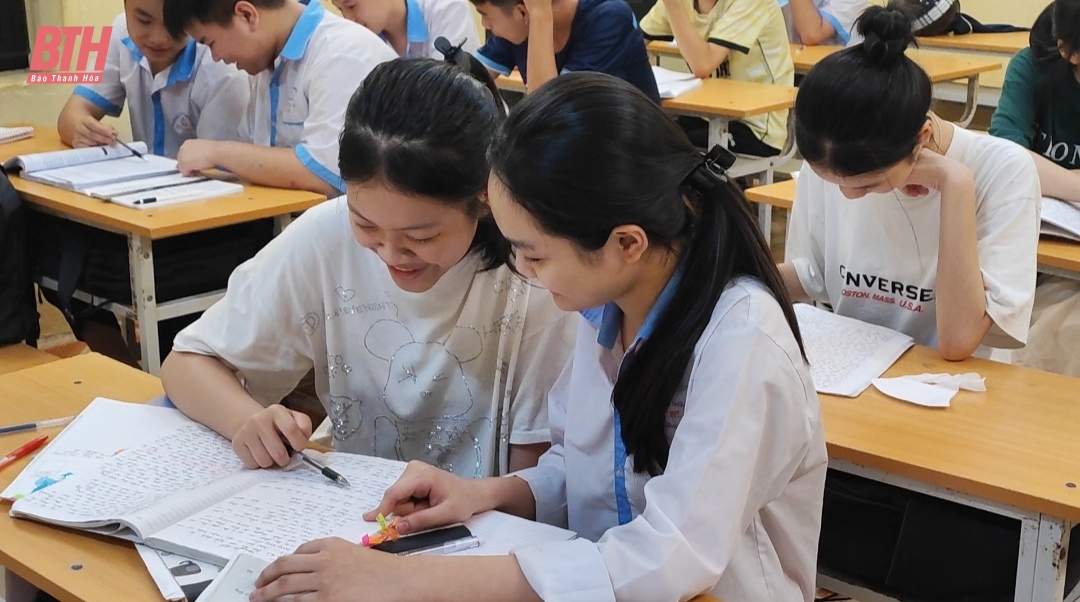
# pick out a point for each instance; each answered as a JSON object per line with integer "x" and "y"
{"x": 588, "y": 153}
{"x": 421, "y": 126}
{"x": 861, "y": 109}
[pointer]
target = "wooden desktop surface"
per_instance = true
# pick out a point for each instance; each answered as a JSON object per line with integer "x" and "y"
{"x": 940, "y": 66}
{"x": 716, "y": 97}
{"x": 255, "y": 202}
{"x": 1057, "y": 253}
{"x": 45, "y": 556}
{"x": 20, "y": 356}
{"x": 110, "y": 569}
{"x": 999, "y": 43}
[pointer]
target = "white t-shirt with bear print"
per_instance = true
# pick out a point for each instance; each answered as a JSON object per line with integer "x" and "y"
{"x": 409, "y": 376}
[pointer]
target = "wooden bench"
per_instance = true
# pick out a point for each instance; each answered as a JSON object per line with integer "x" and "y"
{"x": 1056, "y": 256}
{"x": 19, "y": 356}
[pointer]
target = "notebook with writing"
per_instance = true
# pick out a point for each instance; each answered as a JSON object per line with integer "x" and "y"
{"x": 1060, "y": 219}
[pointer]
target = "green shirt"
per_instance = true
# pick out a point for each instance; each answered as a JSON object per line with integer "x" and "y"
{"x": 1042, "y": 118}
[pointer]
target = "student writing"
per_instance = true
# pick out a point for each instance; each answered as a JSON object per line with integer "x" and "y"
{"x": 905, "y": 220}
{"x": 425, "y": 345}
{"x": 305, "y": 62}
{"x": 687, "y": 446}
{"x": 173, "y": 89}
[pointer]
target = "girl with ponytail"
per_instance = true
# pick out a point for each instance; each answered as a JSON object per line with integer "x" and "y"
{"x": 905, "y": 220}
{"x": 687, "y": 446}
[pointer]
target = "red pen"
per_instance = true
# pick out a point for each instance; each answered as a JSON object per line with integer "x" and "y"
{"x": 22, "y": 451}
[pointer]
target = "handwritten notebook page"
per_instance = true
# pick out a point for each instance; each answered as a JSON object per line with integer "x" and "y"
{"x": 275, "y": 517}
{"x": 76, "y": 156}
{"x": 104, "y": 429}
{"x": 1061, "y": 219}
{"x": 846, "y": 354}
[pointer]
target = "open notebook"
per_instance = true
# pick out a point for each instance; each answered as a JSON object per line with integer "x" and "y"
{"x": 1060, "y": 219}
{"x": 674, "y": 83}
{"x": 845, "y": 354}
{"x": 113, "y": 173}
{"x": 177, "y": 486}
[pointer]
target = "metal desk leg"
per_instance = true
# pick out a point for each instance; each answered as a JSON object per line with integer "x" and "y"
{"x": 144, "y": 300}
{"x": 281, "y": 222}
{"x": 972, "y": 102}
{"x": 718, "y": 132}
{"x": 1048, "y": 570}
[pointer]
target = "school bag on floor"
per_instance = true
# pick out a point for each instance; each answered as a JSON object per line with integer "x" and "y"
{"x": 18, "y": 308}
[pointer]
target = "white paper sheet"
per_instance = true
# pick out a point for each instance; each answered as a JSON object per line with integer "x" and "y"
{"x": 930, "y": 390}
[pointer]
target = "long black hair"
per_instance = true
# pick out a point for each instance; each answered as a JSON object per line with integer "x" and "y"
{"x": 421, "y": 126}
{"x": 588, "y": 153}
{"x": 861, "y": 109}
{"x": 1060, "y": 21}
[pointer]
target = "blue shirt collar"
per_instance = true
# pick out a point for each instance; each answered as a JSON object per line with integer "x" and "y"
{"x": 180, "y": 70}
{"x": 301, "y": 33}
{"x": 608, "y": 319}
{"x": 415, "y": 28}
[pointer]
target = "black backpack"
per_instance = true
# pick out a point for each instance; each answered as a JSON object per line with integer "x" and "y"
{"x": 18, "y": 307}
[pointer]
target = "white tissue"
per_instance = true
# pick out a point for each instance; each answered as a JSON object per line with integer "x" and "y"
{"x": 930, "y": 390}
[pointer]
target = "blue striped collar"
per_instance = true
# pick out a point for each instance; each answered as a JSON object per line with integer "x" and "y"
{"x": 302, "y": 31}
{"x": 608, "y": 318}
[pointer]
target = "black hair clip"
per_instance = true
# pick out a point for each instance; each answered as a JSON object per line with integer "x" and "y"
{"x": 451, "y": 53}
{"x": 712, "y": 169}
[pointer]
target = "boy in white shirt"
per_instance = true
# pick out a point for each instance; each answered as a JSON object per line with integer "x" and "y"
{"x": 305, "y": 63}
{"x": 411, "y": 27}
{"x": 173, "y": 89}
{"x": 822, "y": 22}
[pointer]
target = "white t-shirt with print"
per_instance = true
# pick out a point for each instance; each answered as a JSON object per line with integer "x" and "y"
{"x": 409, "y": 376}
{"x": 876, "y": 258}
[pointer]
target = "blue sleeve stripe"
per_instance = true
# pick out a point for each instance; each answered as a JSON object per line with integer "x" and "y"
{"x": 319, "y": 169}
{"x": 490, "y": 64}
{"x": 843, "y": 34}
{"x": 100, "y": 101}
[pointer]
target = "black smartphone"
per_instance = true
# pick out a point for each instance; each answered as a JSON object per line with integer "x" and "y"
{"x": 428, "y": 540}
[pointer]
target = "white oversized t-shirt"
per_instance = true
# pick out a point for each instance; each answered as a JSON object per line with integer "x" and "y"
{"x": 876, "y": 258}
{"x": 411, "y": 376}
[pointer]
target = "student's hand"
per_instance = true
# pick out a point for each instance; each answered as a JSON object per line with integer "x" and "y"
{"x": 91, "y": 132}
{"x": 934, "y": 172}
{"x": 197, "y": 155}
{"x": 333, "y": 570}
{"x": 259, "y": 441}
{"x": 427, "y": 497}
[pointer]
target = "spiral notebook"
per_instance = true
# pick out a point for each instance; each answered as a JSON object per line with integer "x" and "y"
{"x": 15, "y": 133}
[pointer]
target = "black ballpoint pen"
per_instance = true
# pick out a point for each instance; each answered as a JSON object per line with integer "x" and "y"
{"x": 326, "y": 471}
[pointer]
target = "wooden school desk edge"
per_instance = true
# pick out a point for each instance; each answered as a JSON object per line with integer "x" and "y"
{"x": 1055, "y": 253}
{"x": 255, "y": 202}
{"x": 991, "y": 43}
{"x": 21, "y": 356}
{"x": 69, "y": 565}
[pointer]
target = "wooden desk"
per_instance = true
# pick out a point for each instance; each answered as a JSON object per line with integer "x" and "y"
{"x": 987, "y": 43}
{"x": 143, "y": 227}
{"x": 44, "y": 556}
{"x": 1012, "y": 450}
{"x": 20, "y": 356}
{"x": 1056, "y": 256}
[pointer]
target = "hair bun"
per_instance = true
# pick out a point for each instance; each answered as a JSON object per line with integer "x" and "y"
{"x": 886, "y": 32}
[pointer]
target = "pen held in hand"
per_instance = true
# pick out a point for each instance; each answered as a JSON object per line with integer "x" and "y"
{"x": 326, "y": 471}
{"x": 133, "y": 151}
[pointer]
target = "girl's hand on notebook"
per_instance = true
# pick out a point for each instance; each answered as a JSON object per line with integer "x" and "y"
{"x": 335, "y": 570}
{"x": 258, "y": 442}
{"x": 427, "y": 497}
{"x": 91, "y": 132}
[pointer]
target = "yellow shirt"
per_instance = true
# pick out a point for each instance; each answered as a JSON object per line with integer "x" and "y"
{"x": 755, "y": 32}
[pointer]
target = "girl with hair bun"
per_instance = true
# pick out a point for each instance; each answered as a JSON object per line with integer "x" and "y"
{"x": 905, "y": 220}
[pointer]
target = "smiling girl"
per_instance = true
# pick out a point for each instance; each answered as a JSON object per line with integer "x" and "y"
{"x": 425, "y": 345}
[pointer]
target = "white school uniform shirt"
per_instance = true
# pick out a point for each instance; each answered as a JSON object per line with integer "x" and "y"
{"x": 195, "y": 97}
{"x": 841, "y": 14}
{"x": 449, "y": 376}
{"x": 737, "y": 511}
{"x": 300, "y": 103}
{"x": 876, "y": 258}
{"x": 426, "y": 20}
